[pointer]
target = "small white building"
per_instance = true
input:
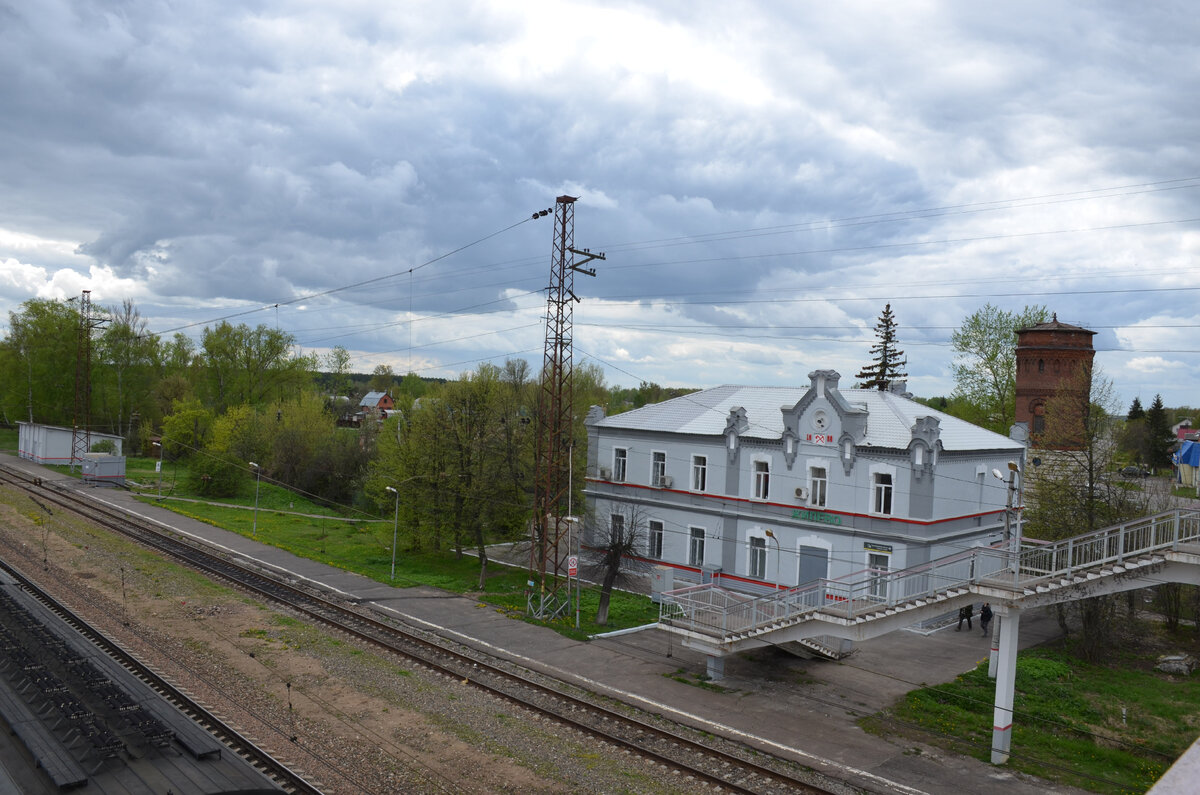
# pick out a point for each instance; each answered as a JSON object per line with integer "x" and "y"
{"x": 50, "y": 444}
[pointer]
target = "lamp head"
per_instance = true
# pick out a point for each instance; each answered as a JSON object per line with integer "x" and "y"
{"x": 389, "y": 488}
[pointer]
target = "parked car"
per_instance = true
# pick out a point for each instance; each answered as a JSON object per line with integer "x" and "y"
{"x": 1132, "y": 471}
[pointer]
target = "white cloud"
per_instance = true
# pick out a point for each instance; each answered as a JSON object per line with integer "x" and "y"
{"x": 763, "y": 179}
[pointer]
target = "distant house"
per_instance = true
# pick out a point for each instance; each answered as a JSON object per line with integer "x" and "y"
{"x": 379, "y": 402}
{"x": 1182, "y": 429}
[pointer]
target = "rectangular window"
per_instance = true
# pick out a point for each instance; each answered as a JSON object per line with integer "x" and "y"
{"x": 620, "y": 459}
{"x": 883, "y": 493}
{"x": 762, "y": 480}
{"x": 699, "y": 473}
{"x": 819, "y": 480}
{"x": 616, "y": 527}
{"x": 658, "y": 469}
{"x": 758, "y": 558}
{"x": 656, "y": 539}
{"x": 696, "y": 547}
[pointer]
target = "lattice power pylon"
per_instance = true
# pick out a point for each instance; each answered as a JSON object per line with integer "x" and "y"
{"x": 81, "y": 433}
{"x": 549, "y": 595}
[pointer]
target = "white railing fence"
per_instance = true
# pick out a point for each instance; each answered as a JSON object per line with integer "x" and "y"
{"x": 711, "y": 609}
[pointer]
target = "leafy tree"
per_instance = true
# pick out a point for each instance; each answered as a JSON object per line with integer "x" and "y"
{"x": 238, "y": 436}
{"x": 382, "y": 379}
{"x": 186, "y": 429}
{"x": 460, "y": 462}
{"x": 887, "y": 359}
{"x": 126, "y": 379}
{"x": 337, "y": 365}
{"x": 1158, "y": 435}
{"x": 37, "y": 363}
{"x": 251, "y": 366}
{"x": 985, "y": 367}
{"x": 1136, "y": 412}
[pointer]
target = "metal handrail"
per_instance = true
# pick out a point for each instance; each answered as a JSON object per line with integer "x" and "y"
{"x": 711, "y": 609}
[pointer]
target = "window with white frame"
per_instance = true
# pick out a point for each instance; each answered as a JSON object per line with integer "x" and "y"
{"x": 758, "y": 558}
{"x": 696, "y": 546}
{"x": 658, "y": 469}
{"x": 818, "y": 478}
{"x": 883, "y": 493}
{"x": 620, "y": 459}
{"x": 762, "y": 480}
{"x": 656, "y": 539}
{"x": 616, "y": 527}
{"x": 699, "y": 473}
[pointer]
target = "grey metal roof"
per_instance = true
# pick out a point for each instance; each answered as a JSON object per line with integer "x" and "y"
{"x": 889, "y": 424}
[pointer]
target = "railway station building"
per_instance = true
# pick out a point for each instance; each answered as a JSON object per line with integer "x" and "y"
{"x": 767, "y": 487}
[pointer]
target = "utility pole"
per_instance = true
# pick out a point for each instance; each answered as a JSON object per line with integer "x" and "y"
{"x": 548, "y": 596}
{"x": 81, "y": 434}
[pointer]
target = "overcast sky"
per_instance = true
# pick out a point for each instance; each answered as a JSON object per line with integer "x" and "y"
{"x": 763, "y": 177}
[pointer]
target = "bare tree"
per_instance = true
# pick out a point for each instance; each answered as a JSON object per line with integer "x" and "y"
{"x": 1073, "y": 491}
{"x": 619, "y": 541}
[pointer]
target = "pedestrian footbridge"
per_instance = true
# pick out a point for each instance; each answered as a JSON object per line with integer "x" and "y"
{"x": 1136, "y": 554}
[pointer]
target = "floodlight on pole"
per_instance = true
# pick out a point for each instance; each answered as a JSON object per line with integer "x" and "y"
{"x": 257, "y": 485}
{"x": 395, "y": 524}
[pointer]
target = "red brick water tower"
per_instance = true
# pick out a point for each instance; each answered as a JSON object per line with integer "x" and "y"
{"x": 1049, "y": 357}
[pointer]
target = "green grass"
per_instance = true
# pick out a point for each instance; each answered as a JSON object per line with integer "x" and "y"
{"x": 9, "y": 440}
{"x": 363, "y": 544}
{"x": 1111, "y": 730}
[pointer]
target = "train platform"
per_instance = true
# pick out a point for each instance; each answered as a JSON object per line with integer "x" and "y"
{"x": 804, "y": 710}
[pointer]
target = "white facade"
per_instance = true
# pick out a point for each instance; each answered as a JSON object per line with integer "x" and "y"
{"x": 50, "y": 444}
{"x": 771, "y": 487}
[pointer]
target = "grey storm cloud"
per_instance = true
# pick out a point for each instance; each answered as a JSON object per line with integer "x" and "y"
{"x": 761, "y": 177}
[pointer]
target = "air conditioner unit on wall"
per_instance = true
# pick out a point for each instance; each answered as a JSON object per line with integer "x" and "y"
{"x": 801, "y": 493}
{"x": 605, "y": 473}
{"x": 665, "y": 481}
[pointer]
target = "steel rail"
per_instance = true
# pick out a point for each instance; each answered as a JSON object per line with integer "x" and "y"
{"x": 732, "y": 771}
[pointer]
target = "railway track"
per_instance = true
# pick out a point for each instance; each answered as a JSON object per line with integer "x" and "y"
{"x": 230, "y": 737}
{"x": 720, "y": 765}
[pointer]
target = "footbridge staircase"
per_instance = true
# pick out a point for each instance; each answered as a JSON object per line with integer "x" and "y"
{"x": 1161, "y": 548}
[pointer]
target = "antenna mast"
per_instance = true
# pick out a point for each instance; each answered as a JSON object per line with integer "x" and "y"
{"x": 81, "y": 433}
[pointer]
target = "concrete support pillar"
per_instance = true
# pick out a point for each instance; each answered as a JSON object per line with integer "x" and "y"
{"x": 995, "y": 652}
{"x": 1006, "y": 674}
{"x": 716, "y": 668}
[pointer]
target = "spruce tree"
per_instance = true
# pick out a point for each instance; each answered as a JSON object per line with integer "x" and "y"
{"x": 1136, "y": 412}
{"x": 887, "y": 359}
{"x": 1158, "y": 435}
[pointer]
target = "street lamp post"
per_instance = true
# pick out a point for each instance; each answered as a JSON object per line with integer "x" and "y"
{"x": 778, "y": 554}
{"x": 395, "y": 524}
{"x": 160, "y": 460}
{"x": 1013, "y": 549}
{"x": 572, "y": 520}
{"x": 257, "y": 484}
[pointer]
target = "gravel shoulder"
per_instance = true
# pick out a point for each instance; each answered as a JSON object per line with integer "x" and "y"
{"x": 352, "y": 719}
